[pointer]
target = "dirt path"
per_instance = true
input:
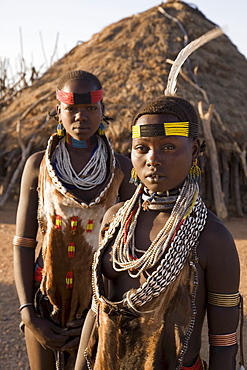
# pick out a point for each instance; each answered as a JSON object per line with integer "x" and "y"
{"x": 13, "y": 353}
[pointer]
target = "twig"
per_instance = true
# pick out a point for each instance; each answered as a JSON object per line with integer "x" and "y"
{"x": 43, "y": 49}
{"x": 55, "y": 49}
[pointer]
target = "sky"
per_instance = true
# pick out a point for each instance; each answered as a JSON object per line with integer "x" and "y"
{"x": 43, "y": 31}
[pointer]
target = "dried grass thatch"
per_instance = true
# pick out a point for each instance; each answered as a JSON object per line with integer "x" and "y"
{"x": 131, "y": 59}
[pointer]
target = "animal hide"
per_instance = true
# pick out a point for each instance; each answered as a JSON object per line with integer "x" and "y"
{"x": 70, "y": 237}
{"x": 153, "y": 338}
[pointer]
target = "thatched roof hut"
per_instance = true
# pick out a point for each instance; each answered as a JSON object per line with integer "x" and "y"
{"x": 132, "y": 59}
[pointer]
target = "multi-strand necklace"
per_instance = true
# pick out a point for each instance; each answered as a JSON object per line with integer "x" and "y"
{"x": 170, "y": 248}
{"x": 123, "y": 260}
{"x": 93, "y": 174}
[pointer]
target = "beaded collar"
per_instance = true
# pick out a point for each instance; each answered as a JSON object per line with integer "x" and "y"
{"x": 159, "y": 201}
{"x": 80, "y": 143}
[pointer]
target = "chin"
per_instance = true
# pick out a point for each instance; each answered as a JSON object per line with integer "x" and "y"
{"x": 155, "y": 187}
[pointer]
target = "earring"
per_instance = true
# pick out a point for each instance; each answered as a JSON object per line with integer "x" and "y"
{"x": 60, "y": 128}
{"x": 134, "y": 179}
{"x": 101, "y": 129}
{"x": 195, "y": 172}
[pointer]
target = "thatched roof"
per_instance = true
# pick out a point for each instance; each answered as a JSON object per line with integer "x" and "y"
{"x": 130, "y": 58}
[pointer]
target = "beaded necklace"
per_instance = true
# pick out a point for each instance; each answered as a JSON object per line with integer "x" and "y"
{"x": 171, "y": 247}
{"x": 122, "y": 260}
{"x": 80, "y": 143}
{"x": 52, "y": 143}
{"x": 159, "y": 201}
{"x": 93, "y": 174}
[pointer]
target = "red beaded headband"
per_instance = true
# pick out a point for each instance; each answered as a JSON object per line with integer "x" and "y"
{"x": 89, "y": 97}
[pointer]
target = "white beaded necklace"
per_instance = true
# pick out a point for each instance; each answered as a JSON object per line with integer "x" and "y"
{"x": 187, "y": 224}
{"x": 93, "y": 174}
{"x": 121, "y": 257}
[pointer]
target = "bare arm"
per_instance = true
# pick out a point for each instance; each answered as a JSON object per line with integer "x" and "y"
{"x": 24, "y": 257}
{"x": 27, "y": 226}
{"x": 81, "y": 363}
{"x": 222, "y": 277}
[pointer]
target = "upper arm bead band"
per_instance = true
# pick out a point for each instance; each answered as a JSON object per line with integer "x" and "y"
{"x": 224, "y": 300}
{"x": 223, "y": 340}
{"x": 19, "y": 241}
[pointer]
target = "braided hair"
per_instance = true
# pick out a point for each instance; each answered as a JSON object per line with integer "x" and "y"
{"x": 178, "y": 106}
{"x": 79, "y": 75}
{"x": 170, "y": 105}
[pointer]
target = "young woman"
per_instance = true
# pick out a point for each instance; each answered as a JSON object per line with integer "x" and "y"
{"x": 164, "y": 260}
{"x": 65, "y": 192}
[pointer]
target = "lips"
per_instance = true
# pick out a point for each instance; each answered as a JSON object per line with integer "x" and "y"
{"x": 154, "y": 174}
{"x": 81, "y": 128}
{"x": 155, "y": 177}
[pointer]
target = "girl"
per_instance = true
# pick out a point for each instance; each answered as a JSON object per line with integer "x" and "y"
{"x": 65, "y": 191}
{"x": 164, "y": 260}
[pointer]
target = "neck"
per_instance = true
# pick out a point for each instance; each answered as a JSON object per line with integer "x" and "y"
{"x": 167, "y": 193}
{"x": 159, "y": 201}
{"x": 80, "y": 143}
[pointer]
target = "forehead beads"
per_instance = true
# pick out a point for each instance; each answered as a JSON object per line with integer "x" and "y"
{"x": 187, "y": 129}
{"x": 89, "y": 97}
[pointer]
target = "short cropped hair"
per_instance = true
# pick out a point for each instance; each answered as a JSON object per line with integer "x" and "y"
{"x": 79, "y": 75}
{"x": 169, "y": 105}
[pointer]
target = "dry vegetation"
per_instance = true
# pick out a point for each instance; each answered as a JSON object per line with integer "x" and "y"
{"x": 132, "y": 58}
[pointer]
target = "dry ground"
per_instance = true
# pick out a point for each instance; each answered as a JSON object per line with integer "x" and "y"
{"x": 12, "y": 353}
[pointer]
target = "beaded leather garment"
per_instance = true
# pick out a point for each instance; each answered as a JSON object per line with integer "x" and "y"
{"x": 150, "y": 327}
{"x": 70, "y": 231}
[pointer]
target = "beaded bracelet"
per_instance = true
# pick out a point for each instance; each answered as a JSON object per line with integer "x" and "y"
{"x": 19, "y": 241}
{"x": 25, "y": 305}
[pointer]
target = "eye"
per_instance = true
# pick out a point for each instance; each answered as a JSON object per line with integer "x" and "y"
{"x": 168, "y": 147}
{"x": 141, "y": 148}
{"x": 69, "y": 108}
{"x": 93, "y": 107}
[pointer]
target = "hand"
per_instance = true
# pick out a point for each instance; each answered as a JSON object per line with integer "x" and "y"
{"x": 74, "y": 329}
{"x": 48, "y": 334}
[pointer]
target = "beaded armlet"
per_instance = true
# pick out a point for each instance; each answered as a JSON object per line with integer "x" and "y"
{"x": 19, "y": 241}
{"x": 223, "y": 340}
{"x": 224, "y": 300}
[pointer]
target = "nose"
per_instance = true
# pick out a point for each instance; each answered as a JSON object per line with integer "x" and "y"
{"x": 153, "y": 159}
{"x": 81, "y": 115}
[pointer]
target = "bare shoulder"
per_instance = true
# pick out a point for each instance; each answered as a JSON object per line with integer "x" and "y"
{"x": 35, "y": 159}
{"x": 111, "y": 212}
{"x": 123, "y": 161}
{"x": 218, "y": 254}
{"x": 215, "y": 238}
{"x": 26, "y": 220}
{"x": 31, "y": 171}
{"x": 126, "y": 189}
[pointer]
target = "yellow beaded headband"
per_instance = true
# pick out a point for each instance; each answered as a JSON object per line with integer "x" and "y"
{"x": 187, "y": 129}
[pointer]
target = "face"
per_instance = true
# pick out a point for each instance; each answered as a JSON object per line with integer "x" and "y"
{"x": 163, "y": 162}
{"x": 81, "y": 121}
